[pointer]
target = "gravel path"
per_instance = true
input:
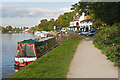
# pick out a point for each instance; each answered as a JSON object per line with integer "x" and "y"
{"x": 89, "y": 62}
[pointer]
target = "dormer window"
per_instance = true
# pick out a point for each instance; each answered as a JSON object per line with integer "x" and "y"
{"x": 77, "y": 23}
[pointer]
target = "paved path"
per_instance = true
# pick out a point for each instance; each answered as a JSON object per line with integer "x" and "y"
{"x": 119, "y": 73}
{"x": 89, "y": 62}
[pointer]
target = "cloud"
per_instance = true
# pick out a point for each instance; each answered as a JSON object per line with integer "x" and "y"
{"x": 25, "y": 16}
{"x": 18, "y": 11}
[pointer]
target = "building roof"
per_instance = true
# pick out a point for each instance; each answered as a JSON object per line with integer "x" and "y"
{"x": 87, "y": 17}
{"x": 86, "y": 20}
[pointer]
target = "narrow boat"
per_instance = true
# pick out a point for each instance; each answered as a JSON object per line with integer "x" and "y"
{"x": 30, "y": 50}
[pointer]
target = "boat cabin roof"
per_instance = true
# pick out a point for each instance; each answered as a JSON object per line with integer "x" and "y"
{"x": 35, "y": 41}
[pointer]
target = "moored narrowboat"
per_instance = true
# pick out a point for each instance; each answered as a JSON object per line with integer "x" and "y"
{"x": 30, "y": 50}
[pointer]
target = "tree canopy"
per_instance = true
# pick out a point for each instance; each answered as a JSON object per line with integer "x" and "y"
{"x": 9, "y": 28}
{"x": 105, "y": 12}
{"x": 61, "y": 21}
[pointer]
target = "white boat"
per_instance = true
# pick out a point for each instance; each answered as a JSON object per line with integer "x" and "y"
{"x": 41, "y": 33}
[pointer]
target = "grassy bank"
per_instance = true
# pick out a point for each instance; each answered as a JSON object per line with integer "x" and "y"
{"x": 54, "y": 64}
{"x": 108, "y": 41}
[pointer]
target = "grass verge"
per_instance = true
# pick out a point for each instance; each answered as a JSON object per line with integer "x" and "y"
{"x": 54, "y": 64}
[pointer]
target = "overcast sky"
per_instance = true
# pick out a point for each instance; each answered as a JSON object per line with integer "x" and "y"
{"x": 20, "y": 14}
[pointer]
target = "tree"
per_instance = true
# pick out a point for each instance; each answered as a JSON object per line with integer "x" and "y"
{"x": 50, "y": 24}
{"x": 58, "y": 21}
{"x": 43, "y": 22}
{"x": 104, "y": 12}
{"x": 25, "y": 28}
{"x": 9, "y": 28}
{"x": 21, "y": 29}
{"x": 64, "y": 20}
{"x": 107, "y": 12}
{"x": 0, "y": 27}
{"x": 52, "y": 19}
{"x": 4, "y": 30}
{"x": 81, "y": 7}
{"x": 32, "y": 29}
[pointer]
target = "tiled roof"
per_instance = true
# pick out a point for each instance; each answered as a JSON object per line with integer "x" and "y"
{"x": 86, "y": 20}
{"x": 87, "y": 17}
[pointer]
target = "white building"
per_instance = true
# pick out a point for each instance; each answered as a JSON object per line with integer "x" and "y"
{"x": 82, "y": 23}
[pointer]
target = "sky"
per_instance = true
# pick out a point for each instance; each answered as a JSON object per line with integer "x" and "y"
{"x": 20, "y": 14}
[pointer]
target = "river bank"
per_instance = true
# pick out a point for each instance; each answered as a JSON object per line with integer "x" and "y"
{"x": 54, "y": 64}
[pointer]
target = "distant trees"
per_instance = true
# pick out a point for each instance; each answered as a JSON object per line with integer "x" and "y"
{"x": 44, "y": 25}
{"x": 25, "y": 28}
{"x": 62, "y": 21}
{"x": 4, "y": 30}
{"x": 10, "y": 28}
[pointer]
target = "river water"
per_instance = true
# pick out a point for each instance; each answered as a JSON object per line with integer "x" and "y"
{"x": 9, "y": 46}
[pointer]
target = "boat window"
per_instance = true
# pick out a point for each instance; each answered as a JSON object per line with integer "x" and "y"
{"x": 40, "y": 47}
{"x": 77, "y": 23}
{"x": 23, "y": 51}
{"x": 26, "y": 51}
{"x": 29, "y": 50}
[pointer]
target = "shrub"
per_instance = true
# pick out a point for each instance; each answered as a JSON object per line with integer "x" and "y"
{"x": 64, "y": 37}
{"x": 108, "y": 41}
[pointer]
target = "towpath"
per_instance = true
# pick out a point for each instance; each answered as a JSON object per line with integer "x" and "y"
{"x": 89, "y": 62}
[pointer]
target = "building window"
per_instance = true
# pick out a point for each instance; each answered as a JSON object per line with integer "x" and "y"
{"x": 77, "y": 23}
